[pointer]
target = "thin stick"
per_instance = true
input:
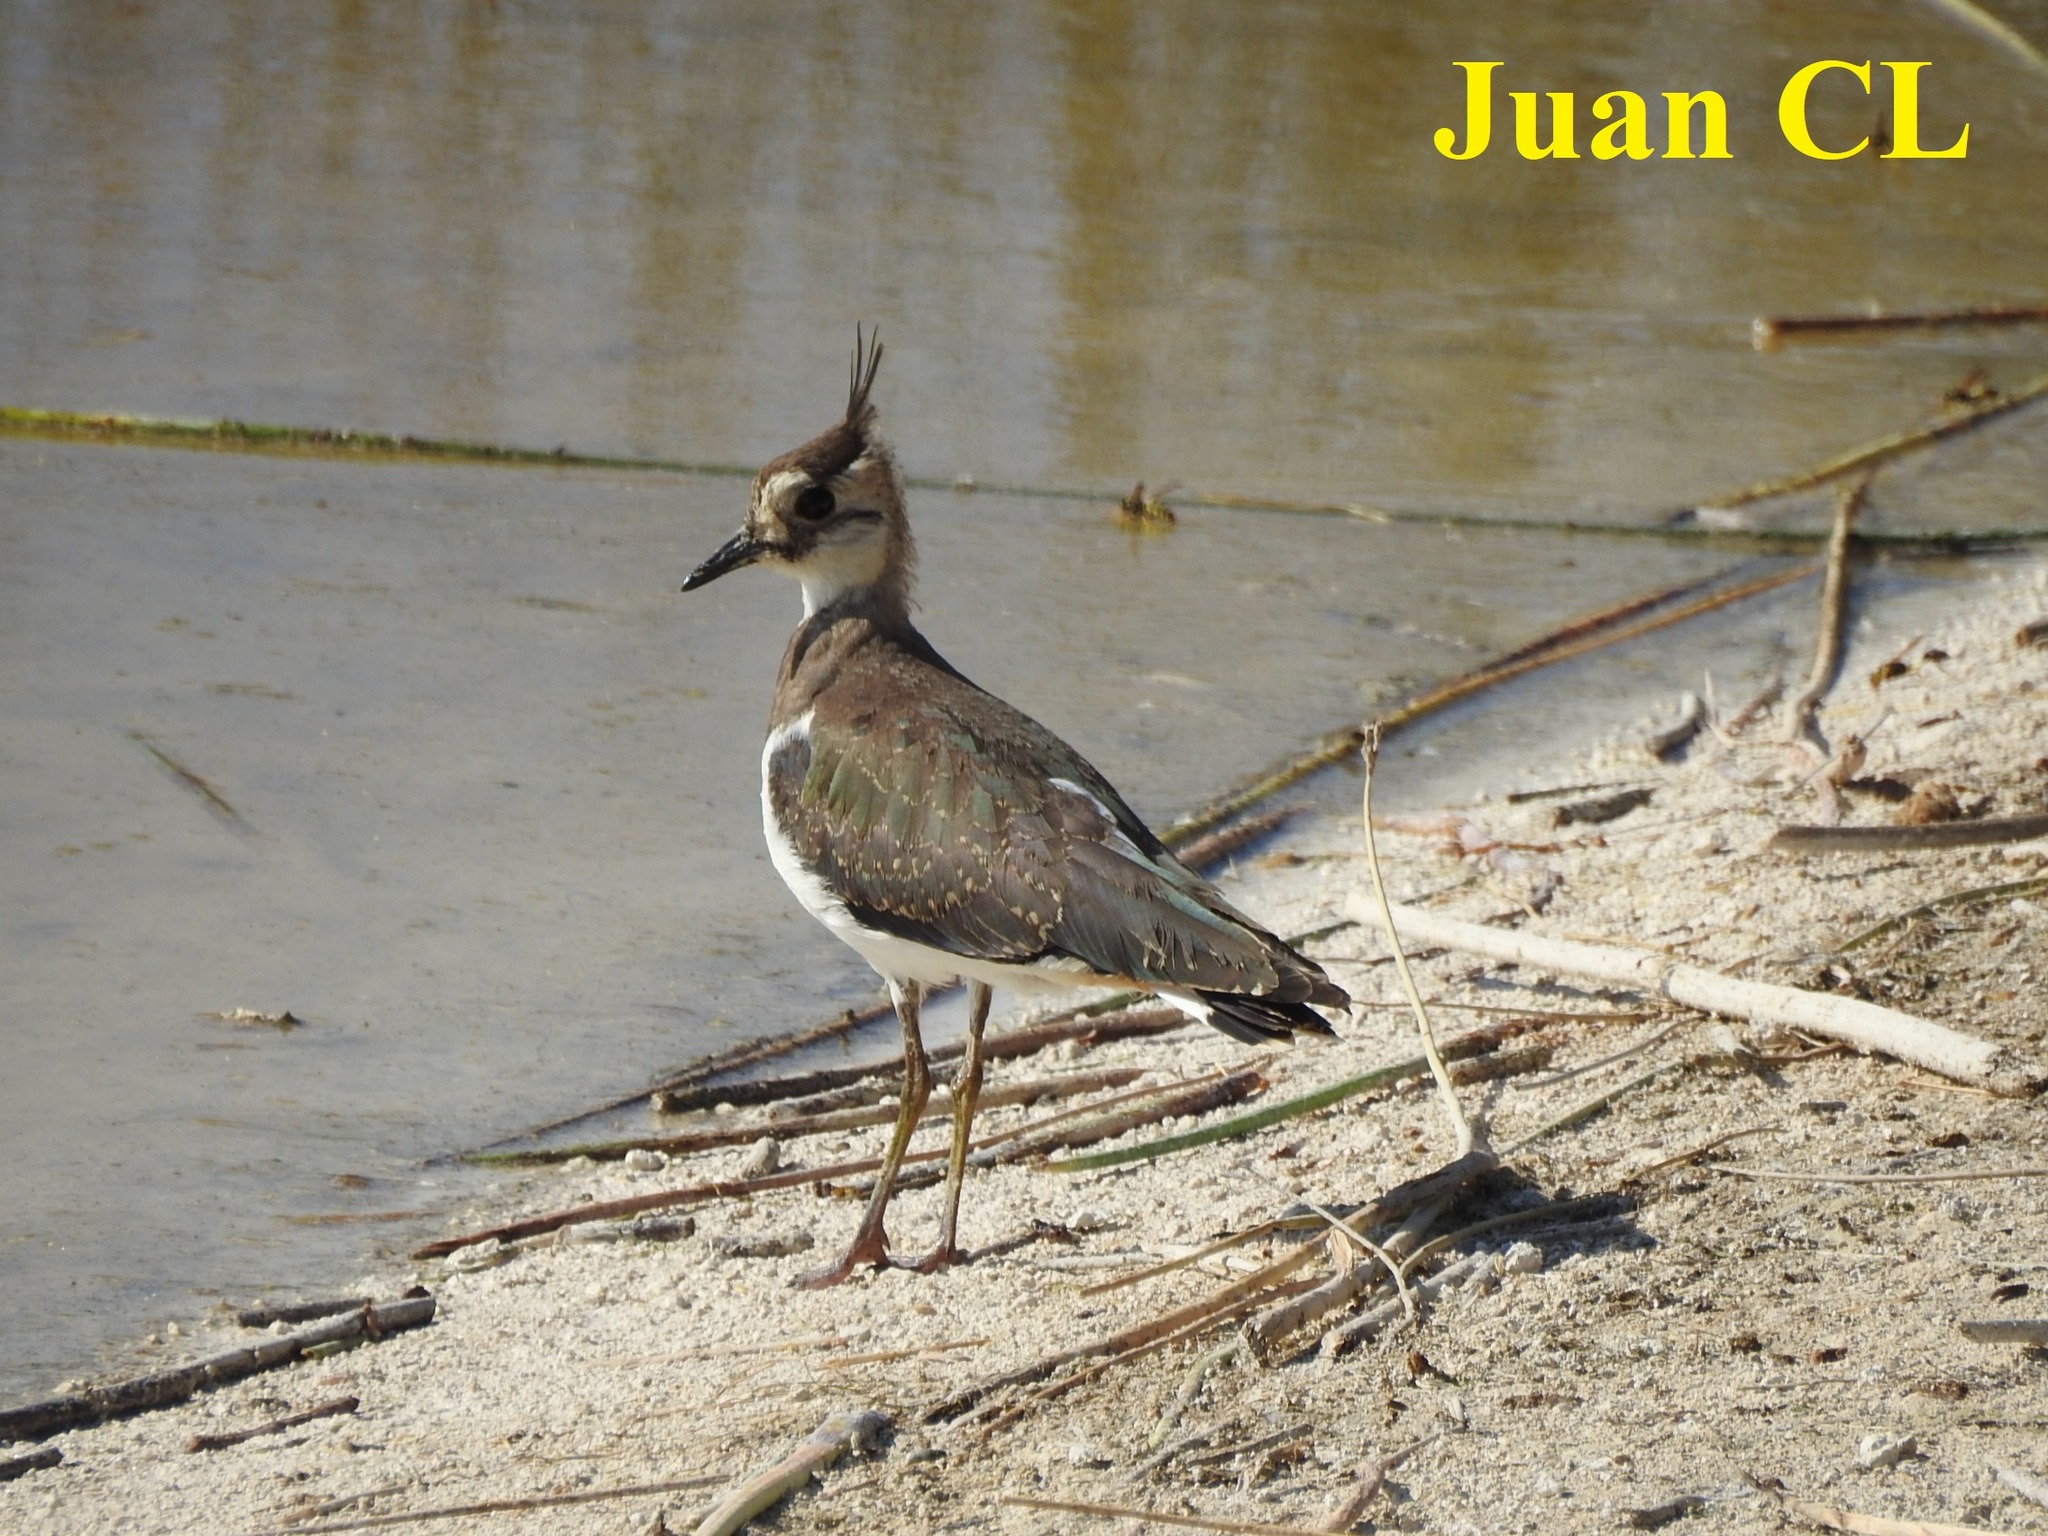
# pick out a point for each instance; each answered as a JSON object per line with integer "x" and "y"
{"x": 210, "y": 797}
{"x": 1184, "y": 1399}
{"x": 1216, "y": 1076}
{"x": 1544, "y": 1014}
{"x": 1204, "y": 853}
{"x": 341, "y": 443}
{"x": 1634, "y": 1048}
{"x": 1461, "y": 1128}
{"x": 33, "y": 1461}
{"x": 1060, "y": 1086}
{"x": 493, "y": 1506}
{"x": 1471, "y": 1043}
{"x": 1486, "y": 677}
{"x": 1834, "y": 607}
{"x": 1956, "y": 899}
{"x": 1575, "y": 638}
{"x": 1585, "y": 1109}
{"x": 1110, "y": 1018}
{"x": 1787, "y": 1176}
{"x": 1123, "y": 1512}
{"x": 1367, "y": 1324}
{"x": 1975, "y": 15}
{"x": 1701, "y": 1150}
{"x": 1883, "y": 448}
{"x": 2024, "y": 1484}
{"x": 1940, "y": 834}
{"x": 1830, "y": 1518}
{"x": 1371, "y": 1478}
{"x": 1249, "y": 1289}
{"x": 1769, "y": 328}
{"x": 2005, "y": 1330}
{"x": 840, "y": 1433}
{"x": 334, "y": 1409}
{"x": 160, "y": 1388}
{"x": 1866, "y": 1026}
{"x": 1212, "y": 1317}
{"x": 1168, "y": 1266}
{"x": 879, "y": 1357}
{"x": 330, "y": 1506}
{"x": 1175, "y": 1098}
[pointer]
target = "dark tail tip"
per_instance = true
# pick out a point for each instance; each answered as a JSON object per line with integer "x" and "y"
{"x": 1262, "y": 1020}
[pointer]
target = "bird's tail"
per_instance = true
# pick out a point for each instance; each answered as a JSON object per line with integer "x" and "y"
{"x": 1260, "y": 1020}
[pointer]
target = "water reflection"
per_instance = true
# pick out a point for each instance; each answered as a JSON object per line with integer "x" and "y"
{"x": 1106, "y": 240}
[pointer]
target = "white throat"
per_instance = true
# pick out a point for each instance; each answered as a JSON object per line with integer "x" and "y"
{"x": 830, "y": 573}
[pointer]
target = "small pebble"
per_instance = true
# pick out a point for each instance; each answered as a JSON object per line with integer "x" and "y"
{"x": 646, "y": 1160}
{"x": 480, "y": 1256}
{"x": 661, "y": 1229}
{"x": 772, "y": 1245}
{"x": 1082, "y": 1454}
{"x": 578, "y": 1164}
{"x": 1090, "y": 1218}
{"x": 1879, "y": 1450}
{"x": 1523, "y": 1259}
{"x": 763, "y": 1158}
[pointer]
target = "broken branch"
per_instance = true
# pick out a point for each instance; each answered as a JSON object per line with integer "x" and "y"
{"x": 1867, "y": 1026}
{"x": 853, "y": 1430}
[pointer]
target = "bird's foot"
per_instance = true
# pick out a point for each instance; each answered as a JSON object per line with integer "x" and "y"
{"x": 869, "y": 1247}
{"x": 944, "y": 1256}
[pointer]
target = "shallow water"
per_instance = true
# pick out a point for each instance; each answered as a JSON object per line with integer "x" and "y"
{"x": 494, "y": 831}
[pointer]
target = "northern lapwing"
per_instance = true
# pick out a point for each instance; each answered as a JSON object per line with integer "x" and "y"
{"x": 942, "y": 833}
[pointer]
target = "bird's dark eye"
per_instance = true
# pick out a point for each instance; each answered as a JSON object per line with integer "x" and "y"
{"x": 815, "y": 504}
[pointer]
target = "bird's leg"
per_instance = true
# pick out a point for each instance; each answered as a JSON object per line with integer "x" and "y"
{"x": 871, "y": 1242}
{"x": 965, "y": 1092}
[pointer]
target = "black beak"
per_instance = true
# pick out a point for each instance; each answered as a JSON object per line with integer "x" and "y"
{"x": 741, "y": 549}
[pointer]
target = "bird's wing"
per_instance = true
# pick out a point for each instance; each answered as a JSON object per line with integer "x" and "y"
{"x": 959, "y": 823}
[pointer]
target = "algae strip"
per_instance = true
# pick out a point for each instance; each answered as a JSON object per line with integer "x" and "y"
{"x": 230, "y": 436}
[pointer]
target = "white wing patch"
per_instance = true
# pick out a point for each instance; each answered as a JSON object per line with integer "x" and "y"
{"x": 1116, "y": 839}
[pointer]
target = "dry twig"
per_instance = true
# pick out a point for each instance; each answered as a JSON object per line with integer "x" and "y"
{"x": 2005, "y": 1330}
{"x": 1770, "y": 328}
{"x": 1058, "y": 1086}
{"x": 330, "y": 1410}
{"x": 1173, "y": 1099}
{"x": 160, "y": 1388}
{"x": 1581, "y": 635}
{"x": 490, "y": 1506}
{"x": 1872, "y": 453}
{"x": 1834, "y": 608}
{"x": 1894, "y": 839}
{"x": 1461, "y": 1127}
{"x": 2025, "y": 1484}
{"x": 1124, "y": 1512}
{"x": 852, "y": 1430}
{"x": 2033, "y": 887}
{"x": 1366, "y": 1485}
{"x": 1864, "y": 1025}
{"x": 1787, "y": 1176}
{"x": 1832, "y": 1519}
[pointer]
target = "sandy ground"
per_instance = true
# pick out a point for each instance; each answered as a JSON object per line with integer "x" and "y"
{"x": 1710, "y": 1330}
